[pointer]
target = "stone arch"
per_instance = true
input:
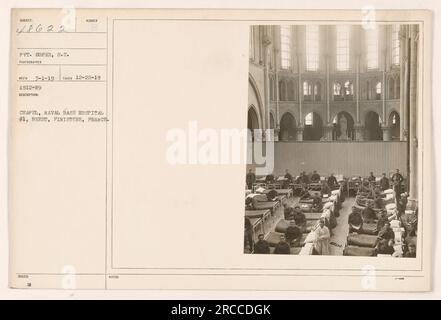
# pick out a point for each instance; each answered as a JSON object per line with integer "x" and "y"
{"x": 318, "y": 90}
{"x": 253, "y": 121}
{"x": 255, "y": 100}
{"x": 394, "y": 124}
{"x": 338, "y": 133}
{"x": 287, "y": 127}
{"x": 372, "y": 126}
{"x": 313, "y": 127}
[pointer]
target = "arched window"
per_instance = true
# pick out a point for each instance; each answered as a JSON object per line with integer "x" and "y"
{"x": 378, "y": 91}
{"x": 349, "y": 90}
{"x": 394, "y": 123}
{"x": 372, "y": 126}
{"x": 337, "y": 91}
{"x": 307, "y": 91}
{"x": 313, "y": 127}
{"x": 285, "y": 46}
{"x": 343, "y": 127}
{"x": 287, "y": 128}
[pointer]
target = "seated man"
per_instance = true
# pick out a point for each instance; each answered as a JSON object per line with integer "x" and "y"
{"x": 386, "y": 233}
{"x": 299, "y": 218}
{"x": 288, "y": 212}
{"x": 369, "y": 214}
{"x": 411, "y": 251}
{"x": 371, "y": 177}
{"x": 299, "y": 179}
{"x": 288, "y": 176}
{"x": 325, "y": 189}
{"x": 365, "y": 189}
{"x": 272, "y": 195}
{"x": 382, "y": 220}
{"x": 261, "y": 246}
{"x": 289, "y": 179}
{"x": 293, "y": 233}
{"x": 385, "y": 247}
{"x": 378, "y": 202}
{"x": 315, "y": 177}
{"x": 304, "y": 194}
{"x": 332, "y": 181}
{"x": 355, "y": 222}
{"x": 249, "y": 204}
{"x": 282, "y": 247}
{"x": 317, "y": 204}
{"x": 384, "y": 182}
{"x": 269, "y": 178}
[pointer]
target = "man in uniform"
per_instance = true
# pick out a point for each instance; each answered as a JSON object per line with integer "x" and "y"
{"x": 261, "y": 246}
{"x": 397, "y": 180}
{"x": 384, "y": 182}
{"x": 332, "y": 181}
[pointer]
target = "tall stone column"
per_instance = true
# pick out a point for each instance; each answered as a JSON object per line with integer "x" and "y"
{"x": 328, "y": 103}
{"x": 276, "y": 37}
{"x": 266, "y": 44}
{"x": 357, "y": 89}
{"x": 383, "y": 97}
{"x": 404, "y": 82}
{"x": 299, "y": 65}
{"x": 413, "y": 113}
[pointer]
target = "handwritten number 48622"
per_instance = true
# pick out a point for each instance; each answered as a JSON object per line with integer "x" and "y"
{"x": 28, "y": 28}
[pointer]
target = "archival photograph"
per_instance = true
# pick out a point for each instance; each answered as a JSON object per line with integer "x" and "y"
{"x": 335, "y": 107}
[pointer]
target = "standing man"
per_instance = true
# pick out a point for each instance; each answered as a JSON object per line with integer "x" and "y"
{"x": 322, "y": 237}
{"x": 397, "y": 180}
{"x": 251, "y": 178}
{"x": 332, "y": 181}
{"x": 384, "y": 182}
{"x": 371, "y": 177}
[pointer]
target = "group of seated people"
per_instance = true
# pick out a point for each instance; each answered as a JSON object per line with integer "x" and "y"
{"x": 372, "y": 217}
{"x": 302, "y": 179}
{"x": 384, "y": 182}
